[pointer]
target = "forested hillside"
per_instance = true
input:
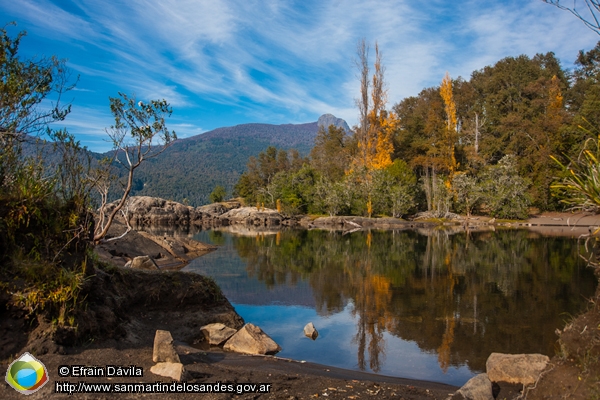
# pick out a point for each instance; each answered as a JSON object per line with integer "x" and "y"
{"x": 191, "y": 168}
{"x": 491, "y": 144}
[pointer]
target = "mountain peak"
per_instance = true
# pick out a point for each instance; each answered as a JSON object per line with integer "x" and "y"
{"x": 329, "y": 119}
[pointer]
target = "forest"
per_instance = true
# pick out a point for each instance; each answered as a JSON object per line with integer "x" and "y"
{"x": 503, "y": 143}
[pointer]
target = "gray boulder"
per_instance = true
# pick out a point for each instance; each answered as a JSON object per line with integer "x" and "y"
{"x": 477, "y": 388}
{"x": 218, "y": 209}
{"x": 164, "y": 351}
{"x": 217, "y": 334}
{"x": 524, "y": 369}
{"x": 251, "y": 340}
{"x": 144, "y": 262}
{"x": 145, "y": 210}
{"x": 254, "y": 217}
{"x": 310, "y": 331}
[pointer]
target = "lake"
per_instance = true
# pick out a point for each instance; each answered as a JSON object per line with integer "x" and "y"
{"x": 428, "y": 304}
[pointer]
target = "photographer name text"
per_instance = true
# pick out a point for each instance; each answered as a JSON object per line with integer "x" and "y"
{"x": 79, "y": 371}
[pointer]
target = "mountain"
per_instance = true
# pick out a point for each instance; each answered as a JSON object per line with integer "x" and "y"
{"x": 192, "y": 167}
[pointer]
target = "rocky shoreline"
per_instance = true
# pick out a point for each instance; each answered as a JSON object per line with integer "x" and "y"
{"x": 152, "y": 211}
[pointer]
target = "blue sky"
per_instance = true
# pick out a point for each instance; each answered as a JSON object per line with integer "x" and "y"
{"x": 223, "y": 63}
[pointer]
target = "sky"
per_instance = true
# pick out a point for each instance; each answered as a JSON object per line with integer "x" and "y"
{"x": 224, "y": 63}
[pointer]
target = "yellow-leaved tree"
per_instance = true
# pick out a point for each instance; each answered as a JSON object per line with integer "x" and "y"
{"x": 449, "y": 136}
{"x": 376, "y": 127}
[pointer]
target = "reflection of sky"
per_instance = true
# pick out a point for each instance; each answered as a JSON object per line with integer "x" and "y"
{"x": 283, "y": 307}
{"x": 336, "y": 346}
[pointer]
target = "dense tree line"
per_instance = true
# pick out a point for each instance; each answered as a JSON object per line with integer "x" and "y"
{"x": 484, "y": 145}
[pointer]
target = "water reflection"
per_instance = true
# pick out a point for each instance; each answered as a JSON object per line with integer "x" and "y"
{"x": 458, "y": 296}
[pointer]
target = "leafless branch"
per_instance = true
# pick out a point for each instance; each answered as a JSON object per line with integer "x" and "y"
{"x": 589, "y": 15}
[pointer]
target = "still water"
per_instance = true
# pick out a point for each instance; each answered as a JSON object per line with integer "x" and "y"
{"x": 426, "y": 305}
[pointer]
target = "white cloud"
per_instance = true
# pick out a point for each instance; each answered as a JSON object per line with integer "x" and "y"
{"x": 277, "y": 60}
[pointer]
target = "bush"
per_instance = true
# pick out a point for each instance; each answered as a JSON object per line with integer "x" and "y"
{"x": 504, "y": 191}
{"x": 218, "y": 194}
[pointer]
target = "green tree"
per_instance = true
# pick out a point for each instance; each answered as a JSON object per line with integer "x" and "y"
{"x": 218, "y": 194}
{"x": 43, "y": 254}
{"x": 24, "y": 85}
{"x": 330, "y": 155}
{"x": 255, "y": 184}
{"x": 139, "y": 133}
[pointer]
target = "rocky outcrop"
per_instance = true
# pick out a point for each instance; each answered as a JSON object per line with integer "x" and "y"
{"x": 218, "y": 209}
{"x": 254, "y": 217}
{"x": 328, "y": 119}
{"x": 154, "y": 211}
{"x": 168, "y": 252}
{"x": 251, "y": 340}
{"x": 145, "y": 210}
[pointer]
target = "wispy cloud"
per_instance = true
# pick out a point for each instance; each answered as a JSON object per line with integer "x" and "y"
{"x": 278, "y": 61}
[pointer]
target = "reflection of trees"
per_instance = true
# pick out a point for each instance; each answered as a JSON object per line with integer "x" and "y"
{"x": 462, "y": 295}
{"x": 371, "y": 295}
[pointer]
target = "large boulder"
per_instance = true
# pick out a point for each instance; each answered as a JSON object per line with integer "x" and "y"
{"x": 216, "y": 334}
{"x": 171, "y": 370}
{"x": 477, "y": 388}
{"x": 251, "y": 340}
{"x": 164, "y": 351}
{"x": 145, "y": 210}
{"x": 524, "y": 369}
{"x": 144, "y": 262}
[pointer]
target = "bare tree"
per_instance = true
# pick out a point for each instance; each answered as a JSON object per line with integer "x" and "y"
{"x": 139, "y": 133}
{"x": 589, "y": 12}
{"x": 363, "y": 102}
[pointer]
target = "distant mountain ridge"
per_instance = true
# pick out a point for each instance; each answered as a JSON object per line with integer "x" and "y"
{"x": 189, "y": 170}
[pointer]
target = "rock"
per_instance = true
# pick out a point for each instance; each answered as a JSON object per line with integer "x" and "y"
{"x": 218, "y": 209}
{"x": 328, "y": 119}
{"x": 171, "y": 370}
{"x": 164, "y": 351}
{"x": 144, "y": 262}
{"x": 251, "y": 340}
{"x": 216, "y": 334}
{"x": 515, "y": 368}
{"x": 477, "y": 388}
{"x": 253, "y": 216}
{"x": 310, "y": 331}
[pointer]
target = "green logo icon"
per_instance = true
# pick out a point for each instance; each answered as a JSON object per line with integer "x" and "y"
{"x": 26, "y": 374}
